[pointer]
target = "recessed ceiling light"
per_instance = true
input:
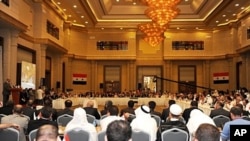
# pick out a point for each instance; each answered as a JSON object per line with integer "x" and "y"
{"x": 69, "y": 16}
{"x": 117, "y": 0}
{"x": 102, "y": 28}
{"x": 58, "y": 3}
{"x": 121, "y": 28}
{"x": 177, "y": 28}
{"x": 86, "y": 22}
{"x": 227, "y": 20}
{"x": 242, "y": 8}
{"x": 197, "y": 28}
{"x": 223, "y": 15}
{"x": 74, "y": 21}
{"x": 237, "y": 4}
{"x": 75, "y": 6}
{"x": 64, "y": 9}
{"x": 186, "y": 0}
{"x": 234, "y": 14}
{"x": 82, "y": 16}
{"x": 217, "y": 21}
{"x": 134, "y": 3}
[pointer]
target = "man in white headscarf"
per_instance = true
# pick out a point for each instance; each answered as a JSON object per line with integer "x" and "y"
{"x": 80, "y": 121}
{"x": 197, "y": 117}
{"x": 144, "y": 122}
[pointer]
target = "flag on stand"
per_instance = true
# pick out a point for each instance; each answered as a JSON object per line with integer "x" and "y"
{"x": 221, "y": 78}
{"x": 80, "y": 79}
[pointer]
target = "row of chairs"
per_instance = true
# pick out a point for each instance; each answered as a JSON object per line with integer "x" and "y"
{"x": 11, "y": 134}
{"x": 173, "y": 134}
{"x": 220, "y": 120}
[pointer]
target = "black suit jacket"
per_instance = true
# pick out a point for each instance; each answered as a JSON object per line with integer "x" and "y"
{"x": 92, "y": 111}
{"x": 35, "y": 124}
{"x": 186, "y": 113}
{"x": 165, "y": 114}
{"x": 219, "y": 111}
{"x": 28, "y": 111}
{"x": 65, "y": 111}
{"x": 6, "y": 110}
{"x": 127, "y": 110}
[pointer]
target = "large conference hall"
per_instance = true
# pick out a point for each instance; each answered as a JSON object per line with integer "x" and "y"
{"x": 108, "y": 48}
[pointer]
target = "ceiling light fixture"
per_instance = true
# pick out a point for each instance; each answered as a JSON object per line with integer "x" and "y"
{"x": 153, "y": 33}
{"x": 161, "y": 12}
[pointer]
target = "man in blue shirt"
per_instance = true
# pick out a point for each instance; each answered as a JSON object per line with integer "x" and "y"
{"x": 235, "y": 113}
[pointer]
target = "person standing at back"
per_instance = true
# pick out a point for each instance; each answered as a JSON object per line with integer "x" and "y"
{"x": 6, "y": 91}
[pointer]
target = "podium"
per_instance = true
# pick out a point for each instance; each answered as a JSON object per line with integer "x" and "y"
{"x": 15, "y": 92}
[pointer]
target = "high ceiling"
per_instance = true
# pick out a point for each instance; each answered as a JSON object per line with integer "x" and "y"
{"x": 127, "y": 14}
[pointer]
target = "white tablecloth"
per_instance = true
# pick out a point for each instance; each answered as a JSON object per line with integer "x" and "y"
{"x": 59, "y": 103}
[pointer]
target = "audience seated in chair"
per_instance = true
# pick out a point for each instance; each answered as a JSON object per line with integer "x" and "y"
{"x": 47, "y": 133}
{"x": 80, "y": 121}
{"x": 236, "y": 116}
{"x": 67, "y": 109}
{"x": 119, "y": 130}
{"x": 18, "y": 118}
{"x": 207, "y": 132}
{"x": 144, "y": 122}
{"x": 165, "y": 112}
{"x": 130, "y": 109}
{"x": 7, "y": 109}
{"x": 29, "y": 110}
{"x": 197, "y": 117}
{"x": 218, "y": 110}
{"x": 112, "y": 115}
{"x": 108, "y": 103}
{"x": 44, "y": 117}
{"x": 152, "y": 105}
{"x": 174, "y": 121}
{"x": 91, "y": 110}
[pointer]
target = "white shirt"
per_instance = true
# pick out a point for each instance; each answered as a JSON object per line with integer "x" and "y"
{"x": 107, "y": 120}
{"x": 39, "y": 94}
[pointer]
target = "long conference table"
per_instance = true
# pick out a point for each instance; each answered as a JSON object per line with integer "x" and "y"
{"x": 82, "y": 101}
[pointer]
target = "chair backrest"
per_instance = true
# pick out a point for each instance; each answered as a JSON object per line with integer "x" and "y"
{"x": 157, "y": 119}
{"x": 174, "y": 134}
{"x": 91, "y": 119}
{"x": 103, "y": 116}
{"x": 220, "y": 120}
{"x": 101, "y": 136}
{"x": 140, "y": 136}
{"x": 64, "y": 119}
{"x": 9, "y": 134}
{"x": 32, "y": 135}
{"x": 77, "y": 134}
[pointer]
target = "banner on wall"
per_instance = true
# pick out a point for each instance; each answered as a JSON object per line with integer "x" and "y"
{"x": 221, "y": 78}
{"x": 80, "y": 79}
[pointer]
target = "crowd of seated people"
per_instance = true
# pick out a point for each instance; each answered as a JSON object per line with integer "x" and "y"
{"x": 191, "y": 119}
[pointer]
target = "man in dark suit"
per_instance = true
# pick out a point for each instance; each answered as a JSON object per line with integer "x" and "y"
{"x": 67, "y": 109}
{"x": 165, "y": 112}
{"x": 29, "y": 110}
{"x": 152, "y": 105}
{"x": 45, "y": 116}
{"x": 91, "y": 110}
{"x": 218, "y": 110}
{"x": 6, "y": 91}
{"x": 130, "y": 109}
{"x": 187, "y": 111}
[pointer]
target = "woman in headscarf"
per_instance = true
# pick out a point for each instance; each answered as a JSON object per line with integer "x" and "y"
{"x": 197, "y": 117}
{"x": 144, "y": 122}
{"x": 80, "y": 121}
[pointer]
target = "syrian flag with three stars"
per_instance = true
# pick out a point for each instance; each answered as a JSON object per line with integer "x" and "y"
{"x": 80, "y": 79}
{"x": 221, "y": 78}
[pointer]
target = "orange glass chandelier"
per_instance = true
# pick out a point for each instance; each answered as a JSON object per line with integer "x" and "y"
{"x": 160, "y": 3}
{"x": 161, "y": 15}
{"x": 153, "y": 32}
